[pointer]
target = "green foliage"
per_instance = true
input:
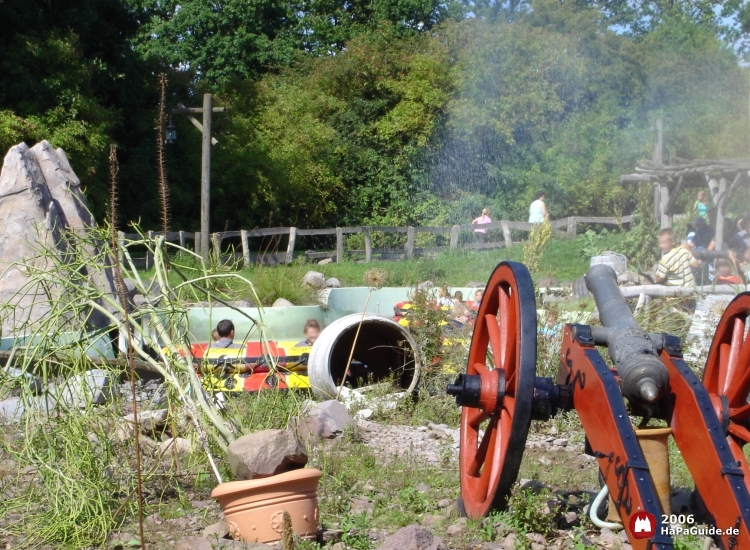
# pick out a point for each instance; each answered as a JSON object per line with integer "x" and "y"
{"x": 639, "y": 243}
{"x": 529, "y": 514}
{"x": 594, "y": 243}
{"x": 534, "y": 247}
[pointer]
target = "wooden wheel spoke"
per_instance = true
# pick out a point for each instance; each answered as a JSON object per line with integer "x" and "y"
{"x": 739, "y": 413}
{"x": 733, "y": 352}
{"x": 476, "y": 417}
{"x": 478, "y": 460}
{"x": 739, "y": 432}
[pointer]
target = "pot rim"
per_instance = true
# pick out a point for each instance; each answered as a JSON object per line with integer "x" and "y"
{"x": 299, "y": 475}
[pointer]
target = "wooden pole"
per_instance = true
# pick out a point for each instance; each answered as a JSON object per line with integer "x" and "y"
{"x": 182, "y": 240}
{"x": 454, "y": 235}
{"x": 149, "y": 257}
{"x": 290, "y": 246}
{"x": 719, "y": 237}
{"x": 368, "y": 244}
{"x": 657, "y": 203}
{"x": 245, "y": 248}
{"x": 121, "y": 246}
{"x": 506, "y": 234}
{"x": 339, "y": 245}
{"x": 666, "y": 217}
{"x": 572, "y": 227}
{"x": 206, "y": 175}
{"x": 197, "y": 242}
{"x": 409, "y": 248}
{"x": 659, "y": 149}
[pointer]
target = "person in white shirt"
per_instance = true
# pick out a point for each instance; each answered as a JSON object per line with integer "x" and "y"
{"x": 538, "y": 210}
{"x": 480, "y": 233}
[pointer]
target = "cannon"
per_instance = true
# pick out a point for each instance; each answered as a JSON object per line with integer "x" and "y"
{"x": 499, "y": 395}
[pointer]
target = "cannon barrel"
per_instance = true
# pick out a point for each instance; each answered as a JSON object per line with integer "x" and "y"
{"x": 643, "y": 377}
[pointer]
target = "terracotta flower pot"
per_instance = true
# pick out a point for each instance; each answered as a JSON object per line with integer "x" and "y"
{"x": 254, "y": 509}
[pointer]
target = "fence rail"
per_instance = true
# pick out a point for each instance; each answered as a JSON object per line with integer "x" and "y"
{"x": 566, "y": 228}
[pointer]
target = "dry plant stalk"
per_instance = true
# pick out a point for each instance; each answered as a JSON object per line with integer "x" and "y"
{"x": 113, "y": 169}
{"x": 160, "y": 160}
{"x": 534, "y": 247}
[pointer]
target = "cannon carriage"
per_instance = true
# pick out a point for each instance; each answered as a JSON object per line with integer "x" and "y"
{"x": 500, "y": 394}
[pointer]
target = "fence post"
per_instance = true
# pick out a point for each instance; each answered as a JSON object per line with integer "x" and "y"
{"x": 197, "y": 242}
{"x": 339, "y": 245}
{"x": 121, "y": 246}
{"x": 572, "y": 227}
{"x": 245, "y": 248}
{"x": 290, "y": 246}
{"x": 409, "y": 248}
{"x": 454, "y": 235}
{"x": 182, "y": 240}
{"x": 506, "y": 234}
{"x": 216, "y": 243}
{"x": 368, "y": 244}
{"x": 149, "y": 257}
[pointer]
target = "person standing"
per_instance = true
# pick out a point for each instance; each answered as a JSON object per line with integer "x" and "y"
{"x": 538, "y": 210}
{"x": 701, "y": 206}
{"x": 480, "y": 233}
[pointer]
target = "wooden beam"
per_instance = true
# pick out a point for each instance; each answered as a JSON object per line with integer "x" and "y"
{"x": 507, "y": 234}
{"x": 673, "y": 196}
{"x": 245, "y": 248}
{"x": 368, "y": 244}
{"x": 339, "y": 245}
{"x": 666, "y": 217}
{"x": 409, "y": 248}
{"x": 454, "y": 235}
{"x": 719, "y": 237}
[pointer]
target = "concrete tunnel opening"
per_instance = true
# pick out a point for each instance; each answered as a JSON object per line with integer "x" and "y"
{"x": 383, "y": 350}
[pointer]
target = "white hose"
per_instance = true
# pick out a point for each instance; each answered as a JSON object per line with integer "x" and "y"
{"x": 604, "y": 493}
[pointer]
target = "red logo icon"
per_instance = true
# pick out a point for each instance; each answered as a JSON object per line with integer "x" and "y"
{"x": 642, "y": 525}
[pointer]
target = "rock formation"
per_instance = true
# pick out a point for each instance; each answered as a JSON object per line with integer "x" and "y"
{"x": 40, "y": 202}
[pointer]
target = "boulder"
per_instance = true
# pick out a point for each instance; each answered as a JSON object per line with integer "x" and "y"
{"x": 325, "y": 261}
{"x": 179, "y": 445}
{"x": 95, "y": 386}
{"x": 546, "y": 282}
{"x": 149, "y": 421}
{"x": 265, "y": 453}
{"x": 282, "y": 302}
{"x": 243, "y": 303}
{"x": 323, "y": 420}
{"x": 220, "y": 529}
{"x": 413, "y": 537}
{"x": 314, "y": 279}
{"x": 426, "y": 285}
{"x": 24, "y": 377}
{"x": 333, "y": 282}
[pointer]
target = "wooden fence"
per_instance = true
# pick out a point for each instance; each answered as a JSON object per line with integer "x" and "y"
{"x": 566, "y": 228}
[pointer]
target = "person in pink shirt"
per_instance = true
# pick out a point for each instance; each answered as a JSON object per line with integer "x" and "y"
{"x": 480, "y": 233}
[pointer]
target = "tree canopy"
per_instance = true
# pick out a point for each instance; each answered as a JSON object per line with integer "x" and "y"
{"x": 375, "y": 111}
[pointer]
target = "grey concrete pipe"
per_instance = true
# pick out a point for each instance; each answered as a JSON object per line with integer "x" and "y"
{"x": 384, "y": 349}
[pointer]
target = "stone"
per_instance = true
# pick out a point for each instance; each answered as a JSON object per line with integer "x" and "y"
{"x": 33, "y": 383}
{"x": 359, "y": 505}
{"x": 333, "y": 282}
{"x": 11, "y": 410}
{"x": 149, "y": 421}
{"x": 323, "y": 420}
{"x": 314, "y": 279}
{"x": 426, "y": 285}
{"x": 328, "y": 536}
{"x": 179, "y": 445}
{"x": 242, "y": 303}
{"x": 95, "y": 386}
{"x": 363, "y": 414}
{"x": 455, "y": 529}
{"x": 422, "y": 488}
{"x": 475, "y": 284}
{"x": 200, "y": 543}
{"x": 413, "y": 537}
{"x": 546, "y": 282}
{"x": 325, "y": 261}
{"x": 265, "y": 453}
{"x": 220, "y": 530}
{"x": 561, "y": 442}
{"x": 282, "y": 302}
{"x": 509, "y": 542}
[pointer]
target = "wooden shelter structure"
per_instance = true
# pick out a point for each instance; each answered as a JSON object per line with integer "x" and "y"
{"x": 722, "y": 177}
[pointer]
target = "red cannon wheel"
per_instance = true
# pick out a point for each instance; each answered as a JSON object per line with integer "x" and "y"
{"x": 727, "y": 373}
{"x": 496, "y": 393}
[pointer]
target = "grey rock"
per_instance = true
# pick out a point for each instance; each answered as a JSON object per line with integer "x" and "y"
{"x": 314, "y": 279}
{"x": 178, "y": 445}
{"x": 265, "y": 453}
{"x": 220, "y": 530}
{"x": 426, "y": 285}
{"x": 200, "y": 543}
{"x": 475, "y": 284}
{"x": 95, "y": 386}
{"x": 363, "y": 414}
{"x": 422, "y": 488}
{"x": 413, "y": 537}
{"x": 11, "y": 410}
{"x": 282, "y": 302}
{"x": 333, "y": 282}
{"x": 323, "y": 420}
{"x": 243, "y": 303}
{"x": 33, "y": 383}
{"x": 149, "y": 421}
{"x": 325, "y": 261}
{"x": 546, "y": 282}
{"x": 562, "y": 442}
{"x": 328, "y": 536}
{"x": 455, "y": 529}
{"x": 359, "y": 505}
{"x": 509, "y": 542}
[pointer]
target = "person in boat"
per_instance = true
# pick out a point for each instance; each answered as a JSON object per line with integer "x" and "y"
{"x": 215, "y": 335}
{"x": 225, "y": 328}
{"x": 311, "y": 332}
